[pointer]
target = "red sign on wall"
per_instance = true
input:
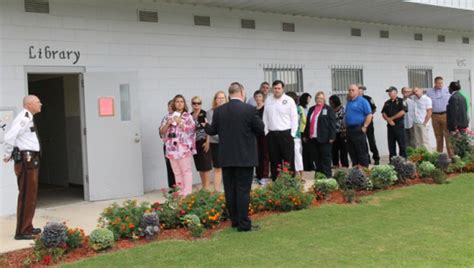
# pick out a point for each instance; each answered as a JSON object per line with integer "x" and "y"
{"x": 106, "y": 106}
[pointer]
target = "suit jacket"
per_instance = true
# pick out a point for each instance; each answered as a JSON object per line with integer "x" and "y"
{"x": 326, "y": 124}
{"x": 237, "y": 125}
{"x": 456, "y": 112}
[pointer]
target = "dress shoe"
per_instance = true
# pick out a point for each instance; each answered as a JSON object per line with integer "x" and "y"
{"x": 24, "y": 237}
{"x": 36, "y": 231}
{"x": 253, "y": 228}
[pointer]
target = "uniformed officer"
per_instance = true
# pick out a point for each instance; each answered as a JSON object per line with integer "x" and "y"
{"x": 370, "y": 129}
{"x": 22, "y": 146}
{"x": 393, "y": 112}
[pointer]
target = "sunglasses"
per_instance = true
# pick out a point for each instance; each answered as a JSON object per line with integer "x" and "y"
{"x": 196, "y": 103}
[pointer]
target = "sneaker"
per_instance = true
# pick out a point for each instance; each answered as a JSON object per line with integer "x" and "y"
{"x": 261, "y": 182}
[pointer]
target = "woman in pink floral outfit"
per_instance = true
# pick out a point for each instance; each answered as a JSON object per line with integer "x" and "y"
{"x": 180, "y": 137}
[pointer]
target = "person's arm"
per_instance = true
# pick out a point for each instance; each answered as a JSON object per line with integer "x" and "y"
{"x": 451, "y": 112}
{"x": 257, "y": 124}
{"x": 10, "y": 136}
{"x": 398, "y": 115}
{"x": 265, "y": 118}
{"x": 165, "y": 125}
{"x": 429, "y": 112}
{"x": 367, "y": 121}
{"x": 332, "y": 125}
{"x": 294, "y": 118}
{"x": 211, "y": 129}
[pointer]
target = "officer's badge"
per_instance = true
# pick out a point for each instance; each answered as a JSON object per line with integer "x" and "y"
{"x": 285, "y": 101}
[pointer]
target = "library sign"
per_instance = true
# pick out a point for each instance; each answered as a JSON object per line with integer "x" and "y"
{"x": 48, "y": 53}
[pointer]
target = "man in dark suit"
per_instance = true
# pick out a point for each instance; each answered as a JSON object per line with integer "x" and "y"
{"x": 237, "y": 125}
{"x": 456, "y": 110}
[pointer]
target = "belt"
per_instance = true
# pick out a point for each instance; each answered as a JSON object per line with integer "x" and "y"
{"x": 354, "y": 127}
{"x": 440, "y": 113}
{"x": 280, "y": 131}
{"x": 30, "y": 153}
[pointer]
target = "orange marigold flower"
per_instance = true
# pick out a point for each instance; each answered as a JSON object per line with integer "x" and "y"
{"x": 131, "y": 225}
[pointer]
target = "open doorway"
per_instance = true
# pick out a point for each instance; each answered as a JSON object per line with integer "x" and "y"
{"x": 60, "y": 133}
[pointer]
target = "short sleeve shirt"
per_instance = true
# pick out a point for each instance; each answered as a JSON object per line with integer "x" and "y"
{"x": 393, "y": 107}
{"x": 421, "y": 106}
{"x": 356, "y": 111}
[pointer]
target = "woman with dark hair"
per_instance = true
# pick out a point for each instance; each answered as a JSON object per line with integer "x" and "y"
{"x": 304, "y": 102}
{"x": 262, "y": 169}
{"x": 171, "y": 180}
{"x": 456, "y": 111}
{"x": 321, "y": 133}
{"x": 180, "y": 138}
{"x": 339, "y": 146}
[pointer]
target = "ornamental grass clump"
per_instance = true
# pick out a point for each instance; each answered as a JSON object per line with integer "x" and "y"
{"x": 356, "y": 180}
{"x": 442, "y": 162}
{"x": 383, "y": 176}
{"x": 54, "y": 235}
{"x": 101, "y": 239}
{"x": 193, "y": 224}
{"x": 439, "y": 176}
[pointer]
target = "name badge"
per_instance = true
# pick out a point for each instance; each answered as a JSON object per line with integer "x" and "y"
{"x": 325, "y": 111}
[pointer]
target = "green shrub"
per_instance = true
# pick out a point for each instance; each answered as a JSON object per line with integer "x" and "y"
{"x": 169, "y": 211}
{"x": 383, "y": 176}
{"x": 456, "y": 165}
{"x": 208, "y": 206}
{"x": 421, "y": 154}
{"x": 442, "y": 162}
{"x": 319, "y": 176}
{"x": 75, "y": 238}
{"x": 438, "y": 176}
{"x": 259, "y": 200}
{"x": 324, "y": 187}
{"x": 340, "y": 175}
{"x": 425, "y": 169}
{"x": 461, "y": 143}
{"x": 193, "y": 224}
{"x": 101, "y": 239}
{"x": 123, "y": 220}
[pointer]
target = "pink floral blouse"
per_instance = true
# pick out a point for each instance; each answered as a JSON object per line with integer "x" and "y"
{"x": 180, "y": 139}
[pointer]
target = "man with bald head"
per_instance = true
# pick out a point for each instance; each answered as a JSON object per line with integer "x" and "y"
{"x": 357, "y": 119}
{"x": 22, "y": 146}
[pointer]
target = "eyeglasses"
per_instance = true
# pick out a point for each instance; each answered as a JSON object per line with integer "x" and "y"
{"x": 196, "y": 103}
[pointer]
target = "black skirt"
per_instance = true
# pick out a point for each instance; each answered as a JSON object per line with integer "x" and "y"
{"x": 202, "y": 160}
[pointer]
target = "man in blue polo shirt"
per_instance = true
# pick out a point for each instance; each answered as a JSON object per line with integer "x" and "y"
{"x": 358, "y": 118}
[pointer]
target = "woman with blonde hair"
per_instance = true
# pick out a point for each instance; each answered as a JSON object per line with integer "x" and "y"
{"x": 202, "y": 159}
{"x": 179, "y": 136}
{"x": 320, "y": 131}
{"x": 219, "y": 99}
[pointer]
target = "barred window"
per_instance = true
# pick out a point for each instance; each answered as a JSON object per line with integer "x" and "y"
{"x": 342, "y": 77}
{"x": 421, "y": 77}
{"x": 291, "y": 76}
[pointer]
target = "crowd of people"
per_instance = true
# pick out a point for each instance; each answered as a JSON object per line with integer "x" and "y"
{"x": 310, "y": 136}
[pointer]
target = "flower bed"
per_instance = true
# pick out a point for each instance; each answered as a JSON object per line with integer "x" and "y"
{"x": 202, "y": 213}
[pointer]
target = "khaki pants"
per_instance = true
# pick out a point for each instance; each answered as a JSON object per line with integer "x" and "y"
{"x": 410, "y": 137}
{"x": 440, "y": 128}
{"x": 420, "y": 133}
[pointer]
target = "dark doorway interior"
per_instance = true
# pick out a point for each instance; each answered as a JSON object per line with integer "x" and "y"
{"x": 59, "y": 131}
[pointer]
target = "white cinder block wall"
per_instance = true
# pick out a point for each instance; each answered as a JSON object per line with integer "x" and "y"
{"x": 174, "y": 56}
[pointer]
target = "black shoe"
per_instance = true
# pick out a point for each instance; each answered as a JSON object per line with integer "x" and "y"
{"x": 36, "y": 231}
{"x": 253, "y": 228}
{"x": 24, "y": 237}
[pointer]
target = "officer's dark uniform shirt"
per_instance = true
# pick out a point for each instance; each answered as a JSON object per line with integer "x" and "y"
{"x": 371, "y": 102}
{"x": 393, "y": 107}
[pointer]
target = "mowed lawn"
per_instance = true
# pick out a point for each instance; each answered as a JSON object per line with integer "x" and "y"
{"x": 418, "y": 226}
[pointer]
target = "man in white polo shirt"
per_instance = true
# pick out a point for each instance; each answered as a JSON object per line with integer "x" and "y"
{"x": 281, "y": 123}
{"x": 422, "y": 116}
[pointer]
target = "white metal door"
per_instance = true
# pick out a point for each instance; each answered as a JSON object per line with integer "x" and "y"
{"x": 464, "y": 77}
{"x": 114, "y": 157}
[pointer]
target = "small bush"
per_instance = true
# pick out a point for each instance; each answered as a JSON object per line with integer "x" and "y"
{"x": 54, "y": 235}
{"x": 442, "y": 162}
{"x": 208, "y": 206}
{"x": 259, "y": 200}
{"x": 324, "y": 187}
{"x": 405, "y": 169}
{"x": 383, "y": 176}
{"x": 123, "y": 220}
{"x": 356, "y": 180}
{"x": 319, "y": 176}
{"x": 340, "y": 175}
{"x": 425, "y": 169}
{"x": 169, "y": 211}
{"x": 193, "y": 224}
{"x": 456, "y": 165}
{"x": 421, "y": 154}
{"x": 462, "y": 144}
{"x": 101, "y": 239}
{"x": 75, "y": 238}
{"x": 438, "y": 176}
{"x": 149, "y": 225}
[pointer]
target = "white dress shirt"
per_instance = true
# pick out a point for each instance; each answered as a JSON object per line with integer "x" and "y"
{"x": 21, "y": 134}
{"x": 280, "y": 114}
{"x": 421, "y": 108}
{"x": 410, "y": 115}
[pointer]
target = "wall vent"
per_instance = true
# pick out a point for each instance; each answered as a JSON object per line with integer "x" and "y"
{"x": 247, "y": 24}
{"x": 37, "y": 6}
{"x": 384, "y": 34}
{"x": 288, "y": 27}
{"x": 356, "y": 32}
{"x": 418, "y": 37}
{"x": 202, "y": 20}
{"x": 147, "y": 16}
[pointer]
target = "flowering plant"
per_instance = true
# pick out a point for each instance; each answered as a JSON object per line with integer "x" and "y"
{"x": 208, "y": 206}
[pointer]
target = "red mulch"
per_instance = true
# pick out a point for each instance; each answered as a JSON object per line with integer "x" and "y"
{"x": 16, "y": 258}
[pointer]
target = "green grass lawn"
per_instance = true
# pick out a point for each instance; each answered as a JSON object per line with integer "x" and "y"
{"x": 418, "y": 226}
